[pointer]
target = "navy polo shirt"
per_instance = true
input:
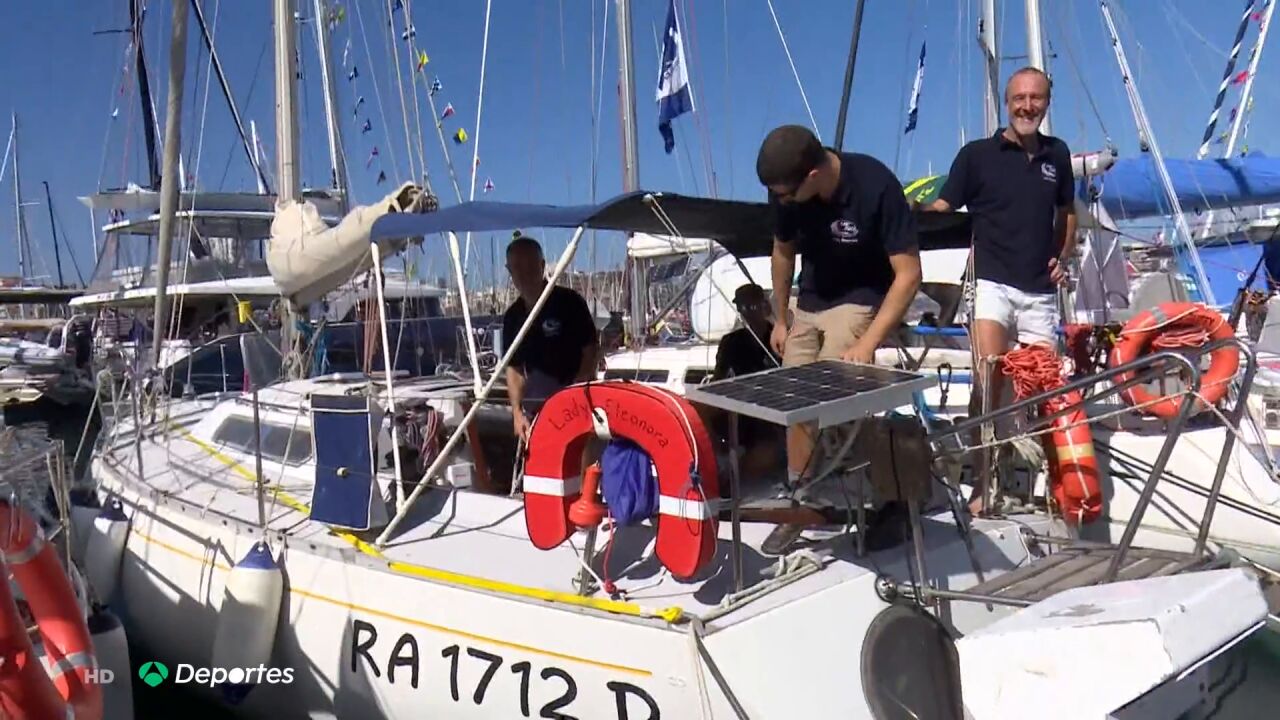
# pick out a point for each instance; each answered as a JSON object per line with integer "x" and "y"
{"x": 1013, "y": 199}
{"x": 845, "y": 242}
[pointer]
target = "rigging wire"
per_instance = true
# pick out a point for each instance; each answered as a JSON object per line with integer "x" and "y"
{"x": 728, "y": 95}
{"x": 1075, "y": 66}
{"x": 257, "y": 71}
{"x": 704, "y": 137}
{"x": 404, "y": 108}
{"x": 417, "y": 111}
{"x": 902, "y": 80}
{"x": 536, "y": 112}
{"x": 388, "y": 142}
{"x": 475, "y": 146}
{"x": 795, "y": 73}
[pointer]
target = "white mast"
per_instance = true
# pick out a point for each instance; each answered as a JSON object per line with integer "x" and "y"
{"x": 289, "y": 185}
{"x": 989, "y": 44}
{"x": 337, "y": 161}
{"x": 1148, "y": 137}
{"x": 171, "y": 180}
{"x": 20, "y": 217}
{"x": 630, "y": 167}
{"x": 1246, "y": 96}
{"x": 1035, "y": 50}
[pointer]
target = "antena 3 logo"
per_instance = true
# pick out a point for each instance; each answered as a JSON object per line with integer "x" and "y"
{"x": 153, "y": 673}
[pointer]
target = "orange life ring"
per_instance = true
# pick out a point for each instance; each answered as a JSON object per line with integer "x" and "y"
{"x": 666, "y": 426}
{"x": 27, "y": 691}
{"x": 1073, "y": 467}
{"x": 1142, "y": 331}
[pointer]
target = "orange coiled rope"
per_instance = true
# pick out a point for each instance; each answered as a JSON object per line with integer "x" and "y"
{"x": 1032, "y": 369}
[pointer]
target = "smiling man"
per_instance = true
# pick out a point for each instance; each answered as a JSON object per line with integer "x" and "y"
{"x": 846, "y": 214}
{"x": 1017, "y": 184}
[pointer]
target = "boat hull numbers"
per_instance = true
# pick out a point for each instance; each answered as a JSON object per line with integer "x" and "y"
{"x": 475, "y": 676}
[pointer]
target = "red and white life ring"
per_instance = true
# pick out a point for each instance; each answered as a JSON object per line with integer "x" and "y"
{"x": 1142, "y": 332}
{"x": 665, "y": 426}
{"x": 27, "y": 691}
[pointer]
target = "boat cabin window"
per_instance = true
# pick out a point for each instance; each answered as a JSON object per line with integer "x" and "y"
{"x": 212, "y": 368}
{"x": 696, "y": 376}
{"x": 280, "y": 443}
{"x": 637, "y": 375}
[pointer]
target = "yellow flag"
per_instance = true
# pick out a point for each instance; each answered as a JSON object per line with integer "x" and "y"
{"x": 460, "y": 136}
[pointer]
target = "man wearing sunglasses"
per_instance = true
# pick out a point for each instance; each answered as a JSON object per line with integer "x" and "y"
{"x": 846, "y": 214}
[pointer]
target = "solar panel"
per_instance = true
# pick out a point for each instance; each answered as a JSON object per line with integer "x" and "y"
{"x": 828, "y": 391}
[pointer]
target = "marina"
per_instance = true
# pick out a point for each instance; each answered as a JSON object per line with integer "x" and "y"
{"x": 858, "y": 438}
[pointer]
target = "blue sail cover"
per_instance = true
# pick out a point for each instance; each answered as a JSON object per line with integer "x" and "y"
{"x": 1132, "y": 188}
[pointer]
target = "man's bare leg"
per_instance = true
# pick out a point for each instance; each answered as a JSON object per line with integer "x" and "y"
{"x": 990, "y": 338}
{"x": 801, "y": 443}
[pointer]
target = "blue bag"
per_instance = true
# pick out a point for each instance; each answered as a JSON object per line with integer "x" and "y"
{"x": 628, "y": 483}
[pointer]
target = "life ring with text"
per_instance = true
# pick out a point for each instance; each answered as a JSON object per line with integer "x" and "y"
{"x": 664, "y": 425}
{"x": 1170, "y": 322}
{"x": 27, "y": 690}
{"x": 1073, "y": 468}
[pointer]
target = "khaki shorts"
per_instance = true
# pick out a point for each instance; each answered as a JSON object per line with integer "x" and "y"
{"x": 826, "y": 334}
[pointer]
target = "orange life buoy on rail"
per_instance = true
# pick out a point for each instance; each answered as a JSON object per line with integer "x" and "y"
{"x": 27, "y": 691}
{"x": 1170, "y": 319}
{"x": 665, "y": 426}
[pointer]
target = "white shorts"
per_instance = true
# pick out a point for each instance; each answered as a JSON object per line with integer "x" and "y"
{"x": 1030, "y": 317}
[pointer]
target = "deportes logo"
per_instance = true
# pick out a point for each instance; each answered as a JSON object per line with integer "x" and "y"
{"x": 153, "y": 673}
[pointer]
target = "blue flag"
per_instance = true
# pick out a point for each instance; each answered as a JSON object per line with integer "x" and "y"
{"x": 915, "y": 94}
{"x": 674, "y": 95}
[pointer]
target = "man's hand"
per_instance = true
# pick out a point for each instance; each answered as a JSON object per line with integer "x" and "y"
{"x": 861, "y": 352}
{"x": 1057, "y": 272}
{"x": 778, "y": 338}
{"x": 521, "y": 424}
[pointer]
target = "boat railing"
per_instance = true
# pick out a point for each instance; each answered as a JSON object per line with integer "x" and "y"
{"x": 1143, "y": 370}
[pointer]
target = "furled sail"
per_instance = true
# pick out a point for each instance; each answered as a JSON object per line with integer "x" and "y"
{"x": 308, "y": 258}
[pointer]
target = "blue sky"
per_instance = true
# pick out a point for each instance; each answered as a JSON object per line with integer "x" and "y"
{"x": 536, "y": 135}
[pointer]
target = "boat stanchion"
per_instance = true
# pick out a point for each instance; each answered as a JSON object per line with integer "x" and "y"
{"x": 735, "y": 504}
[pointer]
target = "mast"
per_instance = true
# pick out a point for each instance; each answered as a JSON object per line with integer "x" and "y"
{"x": 144, "y": 94}
{"x": 337, "y": 161}
{"x": 848, "y": 75}
{"x": 990, "y": 46}
{"x": 1035, "y": 50}
{"x": 172, "y": 178}
{"x": 286, "y": 103}
{"x": 53, "y": 230}
{"x": 1146, "y": 136}
{"x": 630, "y": 168}
{"x": 20, "y": 218}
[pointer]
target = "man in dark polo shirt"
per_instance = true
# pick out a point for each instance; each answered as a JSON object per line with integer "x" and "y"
{"x": 560, "y": 347}
{"x": 1018, "y": 186}
{"x": 846, "y": 214}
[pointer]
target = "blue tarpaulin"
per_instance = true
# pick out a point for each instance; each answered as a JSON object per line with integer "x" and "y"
{"x": 1132, "y": 188}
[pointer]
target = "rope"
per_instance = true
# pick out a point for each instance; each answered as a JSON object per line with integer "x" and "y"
{"x": 404, "y": 107}
{"x": 377, "y": 90}
{"x": 1032, "y": 369}
{"x": 417, "y": 112}
{"x": 794, "y": 72}
{"x": 475, "y": 145}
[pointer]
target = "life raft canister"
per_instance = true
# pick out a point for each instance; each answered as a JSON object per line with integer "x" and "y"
{"x": 664, "y": 425}
{"x": 1145, "y": 330}
{"x": 27, "y": 691}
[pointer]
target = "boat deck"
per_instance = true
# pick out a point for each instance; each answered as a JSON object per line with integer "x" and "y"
{"x": 481, "y": 539}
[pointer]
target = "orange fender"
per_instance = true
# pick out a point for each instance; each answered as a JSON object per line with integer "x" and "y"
{"x": 666, "y": 426}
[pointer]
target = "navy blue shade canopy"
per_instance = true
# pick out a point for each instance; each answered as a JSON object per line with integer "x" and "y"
{"x": 745, "y": 229}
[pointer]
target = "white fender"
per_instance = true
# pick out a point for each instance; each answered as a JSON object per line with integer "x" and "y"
{"x": 111, "y": 648}
{"x": 105, "y": 549}
{"x": 82, "y": 517}
{"x": 247, "y": 619}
